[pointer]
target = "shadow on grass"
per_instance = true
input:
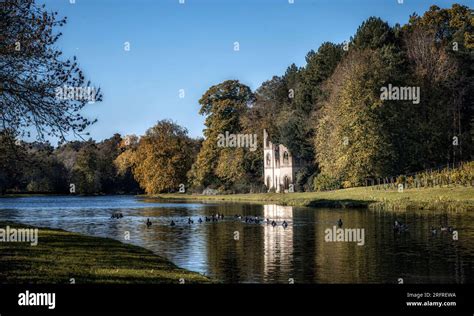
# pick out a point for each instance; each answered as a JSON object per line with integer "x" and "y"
{"x": 344, "y": 203}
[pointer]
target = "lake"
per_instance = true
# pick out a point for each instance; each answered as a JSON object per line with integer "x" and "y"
{"x": 233, "y": 250}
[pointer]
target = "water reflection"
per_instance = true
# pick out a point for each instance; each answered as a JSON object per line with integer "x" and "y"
{"x": 264, "y": 253}
{"x": 278, "y": 242}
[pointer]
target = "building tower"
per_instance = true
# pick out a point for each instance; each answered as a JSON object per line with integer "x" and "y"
{"x": 279, "y": 166}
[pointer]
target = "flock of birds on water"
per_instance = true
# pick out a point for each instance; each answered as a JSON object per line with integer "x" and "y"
{"x": 217, "y": 217}
{"x": 398, "y": 226}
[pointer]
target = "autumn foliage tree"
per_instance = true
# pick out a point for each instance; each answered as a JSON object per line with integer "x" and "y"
{"x": 440, "y": 49}
{"x": 360, "y": 136}
{"x": 161, "y": 158}
{"x": 351, "y": 140}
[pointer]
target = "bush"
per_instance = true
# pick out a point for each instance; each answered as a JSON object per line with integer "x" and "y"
{"x": 301, "y": 178}
{"x": 325, "y": 182}
{"x": 246, "y": 186}
{"x": 347, "y": 184}
{"x": 309, "y": 186}
{"x": 258, "y": 188}
{"x": 461, "y": 175}
{"x": 240, "y": 186}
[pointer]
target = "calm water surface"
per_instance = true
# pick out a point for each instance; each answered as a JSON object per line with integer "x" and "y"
{"x": 264, "y": 253}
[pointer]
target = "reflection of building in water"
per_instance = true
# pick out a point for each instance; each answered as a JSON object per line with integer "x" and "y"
{"x": 278, "y": 242}
{"x": 278, "y": 212}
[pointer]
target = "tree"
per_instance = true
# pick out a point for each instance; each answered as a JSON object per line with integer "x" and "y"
{"x": 296, "y": 129}
{"x": 223, "y": 105}
{"x": 12, "y": 158}
{"x": 351, "y": 140}
{"x": 107, "y": 151}
{"x": 439, "y": 48}
{"x": 373, "y": 33}
{"x": 230, "y": 166}
{"x": 270, "y": 99}
{"x": 32, "y": 75}
{"x": 319, "y": 66}
{"x": 161, "y": 158}
{"x": 123, "y": 163}
{"x": 43, "y": 172}
{"x": 85, "y": 173}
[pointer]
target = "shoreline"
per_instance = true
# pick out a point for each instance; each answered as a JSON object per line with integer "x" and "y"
{"x": 437, "y": 198}
{"x": 459, "y": 198}
{"x": 61, "y": 256}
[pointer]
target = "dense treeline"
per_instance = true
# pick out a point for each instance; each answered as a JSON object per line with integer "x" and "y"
{"x": 82, "y": 167}
{"x": 333, "y": 112}
{"x": 341, "y": 113}
{"x": 390, "y": 137}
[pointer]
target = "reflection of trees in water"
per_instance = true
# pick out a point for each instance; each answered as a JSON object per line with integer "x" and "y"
{"x": 304, "y": 265}
{"x": 435, "y": 258}
{"x": 233, "y": 260}
{"x": 262, "y": 253}
{"x": 272, "y": 254}
{"x": 267, "y": 254}
{"x": 173, "y": 242}
{"x": 341, "y": 262}
{"x": 416, "y": 256}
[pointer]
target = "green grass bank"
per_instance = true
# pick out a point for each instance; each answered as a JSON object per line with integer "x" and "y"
{"x": 61, "y": 255}
{"x": 457, "y": 198}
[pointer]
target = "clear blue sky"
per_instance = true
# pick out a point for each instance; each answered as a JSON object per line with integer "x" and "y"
{"x": 191, "y": 47}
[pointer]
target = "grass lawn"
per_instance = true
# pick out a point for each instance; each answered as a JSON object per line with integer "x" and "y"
{"x": 60, "y": 256}
{"x": 443, "y": 198}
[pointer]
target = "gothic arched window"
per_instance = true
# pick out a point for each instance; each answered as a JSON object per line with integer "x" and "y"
{"x": 269, "y": 159}
{"x": 286, "y": 158}
{"x": 277, "y": 157}
{"x": 286, "y": 183}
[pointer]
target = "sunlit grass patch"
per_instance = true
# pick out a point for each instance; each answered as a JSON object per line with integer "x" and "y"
{"x": 437, "y": 198}
{"x": 61, "y": 257}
